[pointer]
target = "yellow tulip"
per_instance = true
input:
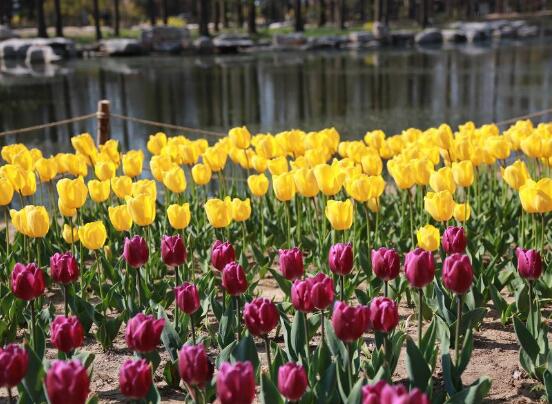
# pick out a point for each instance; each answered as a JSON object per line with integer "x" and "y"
{"x": 283, "y": 186}
{"x": 462, "y": 211}
{"x": 15, "y": 175}
{"x": 376, "y": 186}
{"x": 422, "y": 168}
{"x": 340, "y": 214}
{"x": 120, "y": 217}
{"x": 76, "y": 165}
{"x": 258, "y": 184}
{"x": 105, "y": 170}
{"x": 278, "y": 165}
{"x": 439, "y": 205}
{"x": 428, "y": 238}
{"x": 316, "y": 156}
{"x": 371, "y": 164}
{"x": 532, "y": 145}
{"x": 111, "y": 150}
{"x": 84, "y": 144}
{"x": 179, "y": 215}
{"x": 329, "y": 178}
{"x": 462, "y": 172}
{"x": 498, "y": 146}
{"x": 65, "y": 211}
{"x": 240, "y": 137}
{"x": 32, "y": 221}
{"x": 219, "y": 212}
{"x": 402, "y": 174}
{"x": 305, "y": 182}
{"x": 72, "y": 193}
{"x": 99, "y": 190}
{"x": 46, "y": 168}
{"x": 215, "y": 157}
{"x": 259, "y": 163}
{"x": 159, "y": 165}
{"x": 133, "y": 162}
{"x": 93, "y": 235}
{"x": 175, "y": 180}
{"x": 30, "y": 184}
{"x": 442, "y": 180}
{"x": 121, "y": 186}
{"x": 70, "y": 234}
{"x": 241, "y": 210}
{"x": 23, "y": 160}
{"x": 536, "y": 197}
{"x": 201, "y": 174}
{"x": 358, "y": 188}
{"x": 6, "y": 191}
{"x": 373, "y": 204}
{"x": 142, "y": 209}
{"x": 375, "y": 138}
{"x": 147, "y": 187}
{"x": 10, "y": 151}
{"x": 515, "y": 175}
{"x": 443, "y": 137}
{"x": 156, "y": 143}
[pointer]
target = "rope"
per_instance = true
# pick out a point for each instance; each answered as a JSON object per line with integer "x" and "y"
{"x": 167, "y": 125}
{"x": 47, "y": 125}
{"x": 531, "y": 115}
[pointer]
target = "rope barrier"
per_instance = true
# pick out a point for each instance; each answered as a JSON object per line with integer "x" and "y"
{"x": 531, "y": 115}
{"x": 167, "y": 125}
{"x": 47, "y": 125}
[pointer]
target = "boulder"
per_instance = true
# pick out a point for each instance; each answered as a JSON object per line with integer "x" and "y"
{"x": 476, "y": 31}
{"x": 121, "y": 47}
{"x": 165, "y": 39}
{"x": 289, "y": 40}
{"x": 204, "y": 44}
{"x": 361, "y": 37}
{"x": 453, "y": 36}
{"x": 231, "y": 43}
{"x": 402, "y": 37}
{"x": 527, "y": 31}
{"x": 380, "y": 31}
{"x": 429, "y": 36}
{"x": 52, "y": 49}
{"x": 37, "y": 54}
{"x": 6, "y": 33}
{"x": 324, "y": 42}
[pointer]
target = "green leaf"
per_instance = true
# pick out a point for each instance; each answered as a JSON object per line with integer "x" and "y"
{"x": 355, "y": 395}
{"x": 548, "y": 384}
{"x": 325, "y": 389}
{"x": 269, "y": 392}
{"x": 298, "y": 337}
{"x": 473, "y": 394}
{"x": 417, "y": 368}
{"x": 526, "y": 340}
{"x": 245, "y": 350}
{"x": 284, "y": 284}
{"x": 31, "y": 390}
{"x": 226, "y": 327}
{"x": 169, "y": 336}
{"x": 153, "y": 396}
{"x": 108, "y": 328}
{"x": 170, "y": 373}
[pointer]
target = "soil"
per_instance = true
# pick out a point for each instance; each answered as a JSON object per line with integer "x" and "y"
{"x": 495, "y": 354}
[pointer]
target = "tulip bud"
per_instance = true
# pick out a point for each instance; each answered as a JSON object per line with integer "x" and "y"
{"x": 143, "y": 333}
{"x": 340, "y": 258}
{"x": 236, "y": 383}
{"x": 222, "y": 253}
{"x": 386, "y": 263}
{"x": 350, "y": 322}
{"x": 381, "y": 392}
{"x": 419, "y": 267}
{"x": 14, "y": 361}
{"x": 27, "y": 281}
{"x": 301, "y": 296}
{"x": 234, "y": 279}
{"x": 454, "y": 240}
{"x": 67, "y": 383}
{"x": 457, "y": 273}
{"x": 261, "y": 316}
{"x": 384, "y": 314}
{"x": 135, "y": 378}
{"x": 291, "y": 263}
{"x": 173, "y": 251}
{"x": 194, "y": 365}
{"x": 187, "y": 298}
{"x": 529, "y": 263}
{"x": 64, "y": 268}
{"x": 66, "y": 333}
{"x": 321, "y": 291}
{"x": 292, "y": 381}
{"x": 135, "y": 251}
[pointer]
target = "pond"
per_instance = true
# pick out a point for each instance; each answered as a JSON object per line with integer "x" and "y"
{"x": 391, "y": 89}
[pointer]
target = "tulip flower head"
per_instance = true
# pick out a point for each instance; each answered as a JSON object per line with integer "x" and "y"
{"x": 236, "y": 383}
{"x": 222, "y": 253}
{"x": 67, "y": 382}
{"x": 93, "y": 235}
{"x": 529, "y": 263}
{"x": 27, "y": 281}
{"x": 219, "y": 212}
{"x": 187, "y": 298}
{"x": 179, "y": 215}
{"x": 457, "y": 273}
{"x": 428, "y": 237}
{"x": 135, "y": 378}
{"x": 340, "y": 214}
{"x": 14, "y": 362}
{"x": 349, "y": 323}
{"x": 381, "y": 392}
{"x": 194, "y": 366}
{"x": 454, "y": 240}
{"x": 135, "y": 251}
{"x": 173, "y": 251}
{"x": 143, "y": 333}
{"x": 419, "y": 267}
{"x": 261, "y": 316}
{"x": 340, "y": 258}
{"x": 64, "y": 268}
{"x": 384, "y": 314}
{"x": 292, "y": 381}
{"x": 234, "y": 280}
{"x": 291, "y": 263}
{"x": 385, "y": 263}
{"x": 66, "y": 333}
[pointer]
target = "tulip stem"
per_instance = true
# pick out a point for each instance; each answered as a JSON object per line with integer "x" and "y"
{"x": 244, "y": 243}
{"x": 322, "y": 332}
{"x": 307, "y": 344}
{"x": 6, "y": 212}
{"x": 81, "y": 257}
{"x": 458, "y": 321}
{"x": 299, "y": 209}
{"x": 268, "y": 358}
{"x": 65, "y": 300}
{"x": 367, "y": 214}
{"x": 100, "y": 280}
{"x": 32, "y": 327}
{"x": 542, "y": 235}
{"x": 386, "y": 288}
{"x": 10, "y": 397}
{"x": 420, "y": 320}
{"x": 238, "y": 334}
{"x": 532, "y": 327}
{"x": 193, "y": 329}
{"x": 342, "y": 287}
{"x": 288, "y": 217}
{"x": 350, "y": 365}
{"x": 386, "y": 355}
{"x": 262, "y": 221}
{"x": 138, "y": 281}
{"x": 410, "y": 202}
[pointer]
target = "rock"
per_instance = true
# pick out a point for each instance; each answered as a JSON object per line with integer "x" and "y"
{"x": 429, "y": 36}
{"x": 361, "y": 37}
{"x": 527, "y": 31}
{"x": 231, "y": 43}
{"x": 6, "y": 33}
{"x": 279, "y": 25}
{"x": 289, "y": 40}
{"x": 453, "y": 36}
{"x": 325, "y": 42}
{"x": 41, "y": 49}
{"x": 402, "y": 37}
{"x": 476, "y": 31}
{"x": 204, "y": 44}
{"x": 121, "y": 47}
{"x": 165, "y": 39}
{"x": 380, "y": 31}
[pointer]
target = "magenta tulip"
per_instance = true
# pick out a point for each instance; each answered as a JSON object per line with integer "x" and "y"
{"x": 301, "y": 296}
{"x": 135, "y": 378}
{"x": 64, "y": 268}
{"x": 419, "y": 267}
{"x": 66, "y": 333}
{"x": 222, "y": 254}
{"x": 321, "y": 291}
{"x": 386, "y": 263}
{"x": 187, "y": 297}
{"x": 234, "y": 280}
{"x": 14, "y": 362}
{"x": 173, "y": 251}
{"x": 292, "y": 381}
{"x": 340, "y": 258}
{"x": 529, "y": 263}
{"x": 236, "y": 383}
{"x": 135, "y": 251}
{"x": 454, "y": 240}
{"x": 143, "y": 333}
{"x": 261, "y": 316}
{"x": 291, "y": 263}
{"x": 381, "y": 392}
{"x": 457, "y": 273}
{"x": 350, "y": 322}
{"x": 194, "y": 365}
{"x": 67, "y": 382}
{"x": 27, "y": 281}
{"x": 384, "y": 314}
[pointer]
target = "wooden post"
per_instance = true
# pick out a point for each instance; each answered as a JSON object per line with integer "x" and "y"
{"x": 102, "y": 131}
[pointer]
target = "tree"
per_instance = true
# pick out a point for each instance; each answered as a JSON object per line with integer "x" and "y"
{"x": 165, "y": 12}
{"x": 59, "y": 22}
{"x": 40, "y": 20}
{"x": 239, "y": 12}
{"x": 117, "y": 18}
{"x": 251, "y": 14}
{"x": 298, "y": 17}
{"x": 152, "y": 16}
{"x": 321, "y": 13}
{"x": 97, "y": 20}
{"x": 203, "y": 17}
{"x": 342, "y": 14}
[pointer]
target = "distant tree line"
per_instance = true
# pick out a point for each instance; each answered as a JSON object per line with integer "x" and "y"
{"x": 223, "y": 14}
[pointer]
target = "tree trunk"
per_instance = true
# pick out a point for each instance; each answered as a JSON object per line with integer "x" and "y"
{"x": 203, "y": 18}
{"x": 378, "y": 10}
{"x": 152, "y": 16}
{"x": 362, "y": 10}
{"x": 225, "y": 22}
{"x": 41, "y": 22}
{"x": 97, "y": 20}
{"x": 165, "y": 12}
{"x": 298, "y": 17}
{"x": 117, "y": 18}
{"x": 59, "y": 22}
{"x": 424, "y": 13}
{"x": 239, "y": 13}
{"x": 251, "y": 15}
{"x": 342, "y": 14}
{"x": 217, "y": 15}
{"x": 332, "y": 11}
{"x": 321, "y": 13}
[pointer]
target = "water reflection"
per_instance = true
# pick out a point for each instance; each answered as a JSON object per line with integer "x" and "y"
{"x": 388, "y": 89}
